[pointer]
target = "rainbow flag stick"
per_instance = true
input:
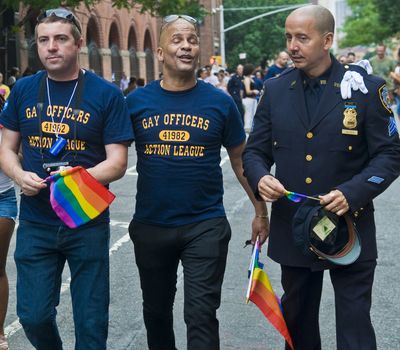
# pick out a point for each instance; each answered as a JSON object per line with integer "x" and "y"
{"x": 297, "y": 197}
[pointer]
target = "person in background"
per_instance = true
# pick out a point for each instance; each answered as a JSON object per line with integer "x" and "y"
{"x": 250, "y": 94}
{"x": 131, "y": 86}
{"x": 8, "y": 215}
{"x": 4, "y": 89}
{"x": 351, "y": 57}
{"x": 14, "y": 76}
{"x": 258, "y": 79}
{"x": 342, "y": 59}
{"x": 123, "y": 85}
{"x": 211, "y": 78}
{"x": 140, "y": 82}
{"x": 180, "y": 124}
{"x": 278, "y": 67}
{"x": 222, "y": 82}
{"x": 235, "y": 89}
{"x": 66, "y": 115}
{"x": 202, "y": 73}
{"x": 396, "y": 80}
{"x": 28, "y": 71}
{"x": 383, "y": 66}
{"x": 343, "y": 149}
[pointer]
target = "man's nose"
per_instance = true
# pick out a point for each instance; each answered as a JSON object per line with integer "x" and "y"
{"x": 292, "y": 45}
{"x": 52, "y": 45}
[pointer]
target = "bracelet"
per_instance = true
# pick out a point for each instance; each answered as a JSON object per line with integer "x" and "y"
{"x": 262, "y": 216}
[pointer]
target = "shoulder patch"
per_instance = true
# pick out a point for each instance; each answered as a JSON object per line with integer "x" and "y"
{"x": 392, "y": 127}
{"x": 376, "y": 180}
{"x": 384, "y": 97}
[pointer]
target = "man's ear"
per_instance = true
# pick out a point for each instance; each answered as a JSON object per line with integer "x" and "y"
{"x": 328, "y": 40}
{"x": 160, "y": 54}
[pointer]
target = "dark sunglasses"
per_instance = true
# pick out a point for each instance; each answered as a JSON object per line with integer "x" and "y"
{"x": 61, "y": 13}
{"x": 172, "y": 18}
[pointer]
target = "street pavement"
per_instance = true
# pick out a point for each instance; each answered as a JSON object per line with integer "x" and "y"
{"x": 242, "y": 326}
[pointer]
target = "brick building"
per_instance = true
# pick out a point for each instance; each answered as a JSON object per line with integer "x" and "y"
{"x": 114, "y": 41}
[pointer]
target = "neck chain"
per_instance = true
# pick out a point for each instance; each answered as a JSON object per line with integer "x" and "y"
{"x": 65, "y": 110}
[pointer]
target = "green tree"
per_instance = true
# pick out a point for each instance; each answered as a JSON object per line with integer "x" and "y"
{"x": 261, "y": 39}
{"x": 388, "y": 13}
{"x": 366, "y": 25}
{"x": 155, "y": 7}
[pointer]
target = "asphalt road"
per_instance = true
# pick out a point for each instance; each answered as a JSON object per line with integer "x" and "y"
{"x": 242, "y": 326}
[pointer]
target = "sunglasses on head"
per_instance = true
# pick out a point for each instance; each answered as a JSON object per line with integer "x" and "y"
{"x": 172, "y": 18}
{"x": 60, "y": 13}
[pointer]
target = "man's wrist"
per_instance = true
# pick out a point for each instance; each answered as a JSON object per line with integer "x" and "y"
{"x": 263, "y": 216}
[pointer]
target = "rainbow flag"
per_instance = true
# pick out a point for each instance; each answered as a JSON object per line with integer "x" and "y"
{"x": 260, "y": 292}
{"x": 77, "y": 197}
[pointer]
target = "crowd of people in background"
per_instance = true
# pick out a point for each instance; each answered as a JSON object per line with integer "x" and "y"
{"x": 245, "y": 83}
{"x": 245, "y": 88}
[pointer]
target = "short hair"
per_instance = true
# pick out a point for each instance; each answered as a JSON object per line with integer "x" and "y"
{"x": 166, "y": 25}
{"x": 351, "y": 54}
{"x": 248, "y": 69}
{"x": 76, "y": 34}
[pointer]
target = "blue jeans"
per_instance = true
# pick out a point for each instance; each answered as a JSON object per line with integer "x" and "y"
{"x": 40, "y": 255}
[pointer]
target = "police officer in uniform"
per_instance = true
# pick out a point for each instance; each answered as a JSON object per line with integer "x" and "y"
{"x": 330, "y": 132}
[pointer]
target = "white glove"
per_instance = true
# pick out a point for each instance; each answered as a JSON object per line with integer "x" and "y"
{"x": 366, "y": 65}
{"x": 352, "y": 81}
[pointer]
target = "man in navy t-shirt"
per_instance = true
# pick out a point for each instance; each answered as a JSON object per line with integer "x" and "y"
{"x": 180, "y": 125}
{"x": 63, "y": 105}
{"x": 278, "y": 67}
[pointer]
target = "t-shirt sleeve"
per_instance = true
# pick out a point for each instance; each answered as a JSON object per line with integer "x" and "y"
{"x": 9, "y": 114}
{"x": 233, "y": 131}
{"x": 118, "y": 125}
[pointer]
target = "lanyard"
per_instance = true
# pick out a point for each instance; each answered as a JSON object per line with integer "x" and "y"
{"x": 76, "y": 104}
{"x": 57, "y": 129}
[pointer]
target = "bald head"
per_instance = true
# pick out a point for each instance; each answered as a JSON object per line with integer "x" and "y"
{"x": 282, "y": 59}
{"x": 324, "y": 21}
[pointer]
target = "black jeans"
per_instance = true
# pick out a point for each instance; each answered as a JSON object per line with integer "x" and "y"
{"x": 202, "y": 247}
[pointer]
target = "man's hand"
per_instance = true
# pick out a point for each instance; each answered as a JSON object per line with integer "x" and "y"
{"x": 270, "y": 189}
{"x": 30, "y": 183}
{"x": 335, "y": 202}
{"x": 260, "y": 228}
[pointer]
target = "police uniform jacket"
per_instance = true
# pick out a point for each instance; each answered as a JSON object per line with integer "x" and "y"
{"x": 358, "y": 156}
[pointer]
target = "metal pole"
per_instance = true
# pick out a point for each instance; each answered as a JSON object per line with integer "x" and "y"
{"x": 222, "y": 34}
{"x": 222, "y": 29}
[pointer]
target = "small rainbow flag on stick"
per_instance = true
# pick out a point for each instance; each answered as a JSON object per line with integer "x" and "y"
{"x": 77, "y": 197}
{"x": 260, "y": 292}
{"x": 298, "y": 197}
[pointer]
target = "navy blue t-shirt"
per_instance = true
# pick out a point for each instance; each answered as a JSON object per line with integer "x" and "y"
{"x": 102, "y": 119}
{"x": 274, "y": 71}
{"x": 178, "y": 142}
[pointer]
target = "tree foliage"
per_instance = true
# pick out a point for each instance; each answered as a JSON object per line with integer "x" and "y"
{"x": 261, "y": 39}
{"x": 371, "y": 22}
{"x": 154, "y": 7}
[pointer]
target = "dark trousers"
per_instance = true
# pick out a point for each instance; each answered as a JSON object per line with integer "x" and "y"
{"x": 352, "y": 286}
{"x": 202, "y": 247}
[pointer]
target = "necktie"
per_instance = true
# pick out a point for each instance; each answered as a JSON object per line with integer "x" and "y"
{"x": 312, "y": 96}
